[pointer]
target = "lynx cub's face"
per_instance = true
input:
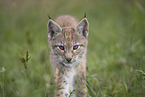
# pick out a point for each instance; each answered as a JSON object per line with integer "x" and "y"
{"x": 68, "y": 44}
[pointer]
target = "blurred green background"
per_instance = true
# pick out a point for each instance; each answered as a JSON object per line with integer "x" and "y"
{"x": 116, "y": 49}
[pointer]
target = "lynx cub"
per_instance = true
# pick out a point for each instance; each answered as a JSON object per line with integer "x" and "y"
{"x": 68, "y": 46}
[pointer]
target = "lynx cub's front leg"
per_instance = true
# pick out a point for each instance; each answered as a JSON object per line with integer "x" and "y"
{"x": 68, "y": 46}
{"x": 64, "y": 83}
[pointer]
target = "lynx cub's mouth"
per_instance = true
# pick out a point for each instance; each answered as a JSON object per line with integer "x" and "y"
{"x": 70, "y": 63}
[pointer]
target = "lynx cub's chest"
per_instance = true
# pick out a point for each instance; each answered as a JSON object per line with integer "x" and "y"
{"x": 68, "y": 45}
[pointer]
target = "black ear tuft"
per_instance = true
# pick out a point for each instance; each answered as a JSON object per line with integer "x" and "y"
{"x": 85, "y": 15}
{"x": 49, "y": 16}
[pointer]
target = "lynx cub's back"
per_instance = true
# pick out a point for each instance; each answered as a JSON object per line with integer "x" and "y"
{"x": 68, "y": 45}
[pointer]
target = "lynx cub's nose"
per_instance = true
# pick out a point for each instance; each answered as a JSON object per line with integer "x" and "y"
{"x": 68, "y": 59}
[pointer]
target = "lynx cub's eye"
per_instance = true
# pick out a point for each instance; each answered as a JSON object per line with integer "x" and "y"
{"x": 61, "y": 47}
{"x": 75, "y": 47}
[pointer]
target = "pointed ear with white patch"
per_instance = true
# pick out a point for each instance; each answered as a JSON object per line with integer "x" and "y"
{"x": 83, "y": 27}
{"x": 53, "y": 28}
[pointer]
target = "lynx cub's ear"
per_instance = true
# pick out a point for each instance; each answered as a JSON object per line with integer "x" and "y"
{"x": 83, "y": 27}
{"x": 53, "y": 28}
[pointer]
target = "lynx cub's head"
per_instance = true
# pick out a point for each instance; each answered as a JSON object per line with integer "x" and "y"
{"x": 68, "y": 43}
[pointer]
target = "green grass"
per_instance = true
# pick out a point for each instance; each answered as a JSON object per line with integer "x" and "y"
{"x": 116, "y": 49}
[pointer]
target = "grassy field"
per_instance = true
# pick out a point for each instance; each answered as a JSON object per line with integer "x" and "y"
{"x": 116, "y": 49}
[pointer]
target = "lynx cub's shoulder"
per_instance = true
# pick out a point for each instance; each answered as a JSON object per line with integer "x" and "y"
{"x": 68, "y": 45}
